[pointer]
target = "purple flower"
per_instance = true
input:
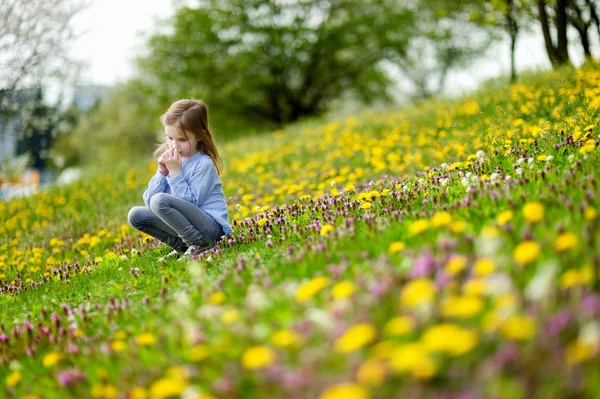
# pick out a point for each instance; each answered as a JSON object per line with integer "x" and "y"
{"x": 69, "y": 377}
{"x": 558, "y": 323}
{"x": 423, "y": 266}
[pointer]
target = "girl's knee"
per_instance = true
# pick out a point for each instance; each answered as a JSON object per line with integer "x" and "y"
{"x": 158, "y": 201}
{"x": 134, "y": 217}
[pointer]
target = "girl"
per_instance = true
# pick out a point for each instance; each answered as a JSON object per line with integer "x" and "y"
{"x": 185, "y": 205}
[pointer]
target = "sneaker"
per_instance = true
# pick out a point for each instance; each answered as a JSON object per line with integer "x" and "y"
{"x": 171, "y": 255}
{"x": 193, "y": 250}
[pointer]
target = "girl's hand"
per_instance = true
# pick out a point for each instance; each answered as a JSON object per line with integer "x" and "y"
{"x": 172, "y": 161}
{"x": 161, "y": 165}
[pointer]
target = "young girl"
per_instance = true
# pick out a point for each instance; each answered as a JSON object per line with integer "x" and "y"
{"x": 185, "y": 205}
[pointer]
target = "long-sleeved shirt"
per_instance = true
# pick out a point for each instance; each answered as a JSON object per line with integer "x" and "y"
{"x": 198, "y": 183}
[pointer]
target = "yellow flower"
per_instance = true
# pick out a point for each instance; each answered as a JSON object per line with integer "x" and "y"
{"x": 326, "y": 229}
{"x": 518, "y": 328}
{"x": 230, "y": 316}
{"x": 167, "y": 387}
{"x": 483, "y": 267}
{"x": 526, "y": 252}
{"x": 14, "y": 378}
{"x": 441, "y": 219}
{"x": 343, "y": 290}
{"x": 414, "y": 358}
{"x": 456, "y": 265}
{"x": 356, "y": 337}
{"x": 198, "y": 352}
{"x": 365, "y": 205}
{"x": 417, "y": 292}
{"x": 565, "y": 241}
{"x": 145, "y": 339}
{"x": 50, "y": 359}
{"x": 118, "y": 345}
{"x": 533, "y": 212}
{"x": 399, "y": 325}
{"x": 579, "y": 351}
{"x": 138, "y": 393}
{"x": 371, "y": 372}
{"x": 309, "y": 289}
{"x": 217, "y": 297}
{"x": 475, "y": 286}
{"x": 347, "y": 390}
{"x": 461, "y": 306}
{"x": 262, "y": 221}
{"x": 285, "y": 339}
{"x": 258, "y": 357}
{"x": 348, "y": 188}
{"x": 458, "y": 226}
{"x": 542, "y": 157}
{"x": 396, "y": 247}
{"x": 449, "y": 338}
{"x": 418, "y": 226}
{"x": 590, "y": 213}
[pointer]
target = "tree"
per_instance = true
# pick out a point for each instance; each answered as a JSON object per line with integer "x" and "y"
{"x": 34, "y": 40}
{"x": 580, "y": 15}
{"x": 557, "y": 50}
{"x": 276, "y": 60}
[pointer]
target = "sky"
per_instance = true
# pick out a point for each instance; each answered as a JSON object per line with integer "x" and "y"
{"x": 113, "y": 27}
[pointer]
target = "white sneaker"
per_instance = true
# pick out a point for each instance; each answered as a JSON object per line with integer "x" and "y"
{"x": 173, "y": 254}
{"x": 193, "y": 250}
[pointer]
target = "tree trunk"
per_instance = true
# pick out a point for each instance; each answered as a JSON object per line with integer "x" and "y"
{"x": 594, "y": 14}
{"x": 513, "y": 31}
{"x": 561, "y": 31}
{"x": 558, "y": 54}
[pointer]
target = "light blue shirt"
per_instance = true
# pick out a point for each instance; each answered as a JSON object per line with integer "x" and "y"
{"x": 197, "y": 183}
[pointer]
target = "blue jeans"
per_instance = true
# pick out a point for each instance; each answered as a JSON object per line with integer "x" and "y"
{"x": 176, "y": 222}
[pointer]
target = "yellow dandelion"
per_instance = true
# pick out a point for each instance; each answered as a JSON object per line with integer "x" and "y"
{"x": 258, "y": 357}
{"x": 343, "y": 290}
{"x": 565, "y": 242}
{"x": 526, "y": 252}
{"x": 356, "y": 337}
{"x": 533, "y": 212}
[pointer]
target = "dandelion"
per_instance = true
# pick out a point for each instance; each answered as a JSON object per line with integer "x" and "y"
{"x": 343, "y": 290}
{"x": 441, "y": 219}
{"x": 396, "y": 247}
{"x": 326, "y": 229}
{"x": 365, "y": 205}
{"x": 51, "y": 359}
{"x": 526, "y": 252}
{"x": 519, "y": 328}
{"x": 145, "y": 339}
{"x": 167, "y": 387}
{"x": 417, "y": 292}
{"x": 533, "y": 212}
{"x": 461, "y": 306}
{"x": 483, "y": 267}
{"x": 590, "y": 213}
{"x": 565, "y": 242}
{"x": 400, "y": 325}
{"x": 356, "y": 337}
{"x": 217, "y": 298}
{"x": 418, "y": 226}
{"x": 348, "y": 188}
{"x": 14, "y": 378}
{"x": 347, "y": 390}
{"x": 371, "y": 372}
{"x": 261, "y": 222}
{"x": 309, "y": 289}
{"x": 436, "y": 339}
{"x": 258, "y": 357}
{"x": 285, "y": 339}
{"x": 579, "y": 351}
{"x": 414, "y": 358}
{"x": 456, "y": 265}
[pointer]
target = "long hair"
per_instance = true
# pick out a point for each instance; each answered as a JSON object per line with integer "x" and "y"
{"x": 190, "y": 117}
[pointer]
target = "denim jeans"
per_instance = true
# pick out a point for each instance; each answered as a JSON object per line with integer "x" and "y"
{"x": 176, "y": 222}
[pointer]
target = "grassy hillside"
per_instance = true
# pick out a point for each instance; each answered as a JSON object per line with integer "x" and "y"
{"x": 446, "y": 250}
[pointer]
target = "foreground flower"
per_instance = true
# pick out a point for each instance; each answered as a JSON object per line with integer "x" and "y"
{"x": 526, "y": 252}
{"x": 258, "y": 357}
{"x": 565, "y": 241}
{"x": 519, "y": 328}
{"x": 413, "y": 358}
{"x": 347, "y": 390}
{"x": 437, "y": 339}
{"x": 145, "y": 339}
{"x": 326, "y": 229}
{"x": 343, "y": 290}
{"x": 285, "y": 339}
{"x": 50, "y": 359}
{"x": 533, "y": 212}
{"x": 417, "y": 292}
{"x": 310, "y": 288}
{"x": 356, "y": 337}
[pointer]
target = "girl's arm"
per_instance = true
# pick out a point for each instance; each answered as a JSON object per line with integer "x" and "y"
{"x": 158, "y": 184}
{"x": 196, "y": 189}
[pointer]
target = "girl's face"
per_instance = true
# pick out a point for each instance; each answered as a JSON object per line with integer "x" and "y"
{"x": 186, "y": 146}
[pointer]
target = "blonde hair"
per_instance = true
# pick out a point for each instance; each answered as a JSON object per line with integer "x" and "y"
{"x": 190, "y": 117}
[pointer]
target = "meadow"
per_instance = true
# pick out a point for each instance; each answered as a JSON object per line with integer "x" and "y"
{"x": 444, "y": 250}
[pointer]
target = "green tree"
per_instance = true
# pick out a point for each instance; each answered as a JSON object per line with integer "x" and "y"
{"x": 276, "y": 60}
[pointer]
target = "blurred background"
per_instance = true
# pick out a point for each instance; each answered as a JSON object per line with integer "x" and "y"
{"x": 83, "y": 82}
